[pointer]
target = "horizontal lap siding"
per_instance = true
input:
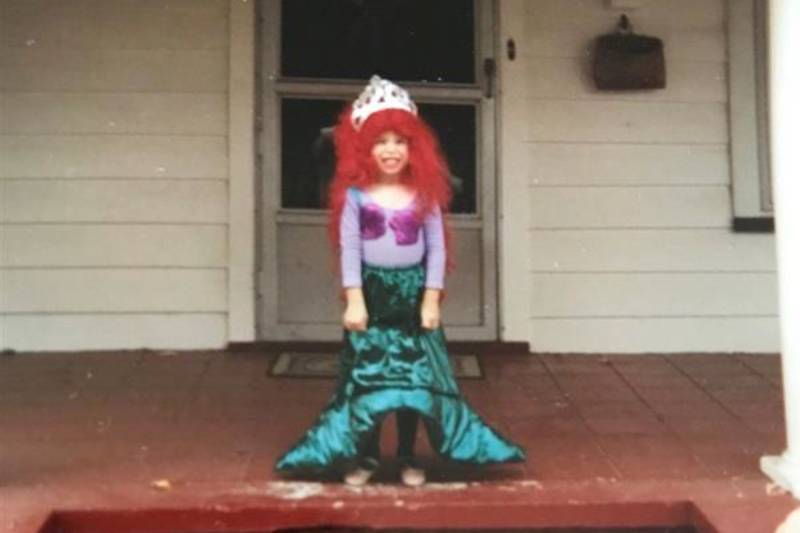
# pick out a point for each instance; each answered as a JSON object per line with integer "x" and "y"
{"x": 57, "y": 332}
{"x": 99, "y": 245}
{"x": 119, "y": 290}
{"x": 104, "y": 201}
{"x": 650, "y": 250}
{"x": 630, "y": 209}
{"x": 35, "y": 69}
{"x": 113, "y": 156}
{"x": 122, "y": 113}
{"x": 114, "y": 177}
{"x": 615, "y": 164}
{"x": 659, "y": 294}
{"x": 674, "y": 334}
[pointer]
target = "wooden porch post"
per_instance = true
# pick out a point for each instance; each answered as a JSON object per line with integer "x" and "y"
{"x": 784, "y": 100}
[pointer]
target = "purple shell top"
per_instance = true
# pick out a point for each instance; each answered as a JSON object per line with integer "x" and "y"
{"x": 404, "y": 224}
{"x": 373, "y": 222}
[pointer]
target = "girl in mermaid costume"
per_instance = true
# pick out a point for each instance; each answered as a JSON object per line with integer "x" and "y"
{"x": 387, "y": 201}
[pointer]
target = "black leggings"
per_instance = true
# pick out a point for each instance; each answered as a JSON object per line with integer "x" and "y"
{"x": 407, "y": 422}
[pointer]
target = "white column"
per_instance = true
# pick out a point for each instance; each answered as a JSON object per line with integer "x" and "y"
{"x": 241, "y": 173}
{"x": 784, "y": 99}
{"x": 514, "y": 219}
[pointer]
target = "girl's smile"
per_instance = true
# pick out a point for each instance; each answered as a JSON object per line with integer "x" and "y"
{"x": 390, "y": 152}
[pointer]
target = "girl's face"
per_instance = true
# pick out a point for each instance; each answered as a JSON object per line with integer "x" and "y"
{"x": 390, "y": 152}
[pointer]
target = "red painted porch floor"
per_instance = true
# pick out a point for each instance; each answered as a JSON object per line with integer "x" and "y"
{"x": 185, "y": 441}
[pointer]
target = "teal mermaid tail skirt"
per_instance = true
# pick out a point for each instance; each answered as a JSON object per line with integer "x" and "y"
{"x": 396, "y": 364}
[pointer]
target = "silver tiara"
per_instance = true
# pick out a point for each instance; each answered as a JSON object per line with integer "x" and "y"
{"x": 378, "y": 95}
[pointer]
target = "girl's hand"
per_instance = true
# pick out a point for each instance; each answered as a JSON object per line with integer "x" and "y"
{"x": 355, "y": 314}
{"x": 431, "y": 313}
{"x": 355, "y": 317}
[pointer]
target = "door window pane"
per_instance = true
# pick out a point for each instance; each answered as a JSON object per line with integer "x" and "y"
{"x": 308, "y": 156}
{"x": 455, "y": 126}
{"x": 307, "y": 161}
{"x": 403, "y": 40}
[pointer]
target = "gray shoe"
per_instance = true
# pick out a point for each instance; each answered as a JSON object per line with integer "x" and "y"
{"x": 361, "y": 474}
{"x": 358, "y": 477}
{"x": 411, "y": 473}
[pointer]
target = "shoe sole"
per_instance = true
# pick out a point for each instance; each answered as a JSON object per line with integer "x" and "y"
{"x": 409, "y": 483}
{"x": 361, "y": 481}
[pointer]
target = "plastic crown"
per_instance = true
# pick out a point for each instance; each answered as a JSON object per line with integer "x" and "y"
{"x": 379, "y": 95}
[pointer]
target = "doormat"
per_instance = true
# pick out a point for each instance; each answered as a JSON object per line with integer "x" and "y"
{"x": 326, "y": 365}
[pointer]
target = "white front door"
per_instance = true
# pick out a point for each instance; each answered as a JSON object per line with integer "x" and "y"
{"x": 316, "y": 56}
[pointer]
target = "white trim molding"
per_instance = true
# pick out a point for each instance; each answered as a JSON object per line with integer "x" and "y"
{"x": 784, "y": 82}
{"x": 241, "y": 173}
{"x": 513, "y": 207}
{"x": 748, "y": 109}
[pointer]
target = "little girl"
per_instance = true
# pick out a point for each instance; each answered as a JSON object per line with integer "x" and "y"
{"x": 387, "y": 226}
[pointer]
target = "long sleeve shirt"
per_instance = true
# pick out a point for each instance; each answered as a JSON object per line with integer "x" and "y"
{"x": 376, "y": 235}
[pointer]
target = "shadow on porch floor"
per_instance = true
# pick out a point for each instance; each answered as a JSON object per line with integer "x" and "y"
{"x": 185, "y": 441}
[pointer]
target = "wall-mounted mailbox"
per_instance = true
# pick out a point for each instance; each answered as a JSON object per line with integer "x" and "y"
{"x": 626, "y": 61}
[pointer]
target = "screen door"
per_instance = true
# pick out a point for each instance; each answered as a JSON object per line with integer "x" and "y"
{"x": 314, "y": 57}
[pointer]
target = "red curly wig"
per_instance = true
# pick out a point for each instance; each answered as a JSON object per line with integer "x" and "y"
{"x": 426, "y": 173}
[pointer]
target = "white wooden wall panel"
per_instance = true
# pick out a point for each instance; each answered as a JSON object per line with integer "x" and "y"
{"x": 657, "y": 14}
{"x": 114, "y": 113}
{"x": 629, "y": 202}
{"x": 658, "y": 294}
{"x": 680, "y": 44}
{"x": 648, "y": 335}
{"x": 629, "y": 207}
{"x": 113, "y": 187}
{"x": 641, "y": 250}
{"x": 113, "y": 156}
{"x": 628, "y": 122}
{"x": 110, "y": 201}
{"x": 115, "y": 25}
{"x": 113, "y": 70}
{"x": 46, "y": 7}
{"x": 122, "y": 290}
{"x": 106, "y": 331}
{"x": 627, "y": 164}
{"x": 113, "y": 245}
{"x": 566, "y": 78}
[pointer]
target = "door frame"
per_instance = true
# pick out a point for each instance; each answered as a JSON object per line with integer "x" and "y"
{"x": 271, "y": 87}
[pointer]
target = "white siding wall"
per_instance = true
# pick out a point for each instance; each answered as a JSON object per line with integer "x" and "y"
{"x": 113, "y": 173}
{"x": 630, "y": 208}
{"x": 114, "y": 183}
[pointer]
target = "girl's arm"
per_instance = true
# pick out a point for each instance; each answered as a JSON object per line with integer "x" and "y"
{"x": 435, "y": 261}
{"x": 355, "y": 314}
{"x": 350, "y": 241}
{"x": 431, "y": 310}
{"x": 435, "y": 252}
